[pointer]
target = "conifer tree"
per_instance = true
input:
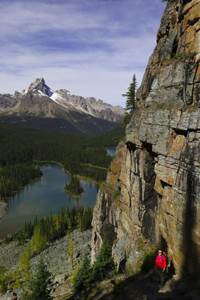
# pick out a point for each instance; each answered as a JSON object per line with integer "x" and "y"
{"x": 24, "y": 267}
{"x": 131, "y": 95}
{"x": 103, "y": 263}
{"x": 39, "y": 239}
{"x": 37, "y": 286}
{"x": 83, "y": 276}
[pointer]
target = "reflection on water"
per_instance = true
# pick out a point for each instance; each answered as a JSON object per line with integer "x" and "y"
{"x": 43, "y": 197}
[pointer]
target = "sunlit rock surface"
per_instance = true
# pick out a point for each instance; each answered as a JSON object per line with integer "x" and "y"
{"x": 152, "y": 193}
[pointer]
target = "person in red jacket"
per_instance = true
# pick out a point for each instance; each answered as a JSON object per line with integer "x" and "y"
{"x": 161, "y": 265}
{"x": 161, "y": 261}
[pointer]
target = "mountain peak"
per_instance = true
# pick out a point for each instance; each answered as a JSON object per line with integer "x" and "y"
{"x": 39, "y": 86}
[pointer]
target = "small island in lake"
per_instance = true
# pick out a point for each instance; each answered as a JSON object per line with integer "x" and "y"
{"x": 74, "y": 187}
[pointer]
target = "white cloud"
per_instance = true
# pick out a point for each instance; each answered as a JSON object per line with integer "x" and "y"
{"x": 103, "y": 69}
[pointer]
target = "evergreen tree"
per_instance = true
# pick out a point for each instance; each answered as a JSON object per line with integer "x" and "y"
{"x": 83, "y": 276}
{"x": 24, "y": 265}
{"x": 87, "y": 274}
{"x": 39, "y": 239}
{"x": 37, "y": 286}
{"x": 131, "y": 95}
{"x": 104, "y": 262}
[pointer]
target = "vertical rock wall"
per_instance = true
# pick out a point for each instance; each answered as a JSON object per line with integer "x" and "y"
{"x": 152, "y": 192}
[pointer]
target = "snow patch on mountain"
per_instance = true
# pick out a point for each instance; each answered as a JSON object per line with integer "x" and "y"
{"x": 40, "y": 98}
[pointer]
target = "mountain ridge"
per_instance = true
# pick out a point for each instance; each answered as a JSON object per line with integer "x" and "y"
{"x": 87, "y": 115}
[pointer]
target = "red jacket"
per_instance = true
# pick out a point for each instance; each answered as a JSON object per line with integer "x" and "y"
{"x": 161, "y": 262}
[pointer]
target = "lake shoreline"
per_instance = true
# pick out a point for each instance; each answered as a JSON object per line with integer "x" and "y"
{"x": 4, "y": 203}
{"x": 37, "y": 199}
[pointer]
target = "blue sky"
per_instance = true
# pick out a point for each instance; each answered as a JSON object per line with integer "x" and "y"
{"x": 91, "y": 47}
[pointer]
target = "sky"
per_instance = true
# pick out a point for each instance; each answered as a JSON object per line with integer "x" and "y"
{"x": 90, "y": 47}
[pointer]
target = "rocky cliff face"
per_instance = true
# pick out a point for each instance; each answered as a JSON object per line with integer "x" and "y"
{"x": 152, "y": 192}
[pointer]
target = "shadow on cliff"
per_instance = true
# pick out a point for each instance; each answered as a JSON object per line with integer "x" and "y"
{"x": 191, "y": 265}
{"x": 145, "y": 286}
{"x": 188, "y": 286}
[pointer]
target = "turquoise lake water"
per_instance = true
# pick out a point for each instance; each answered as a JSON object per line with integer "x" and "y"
{"x": 44, "y": 197}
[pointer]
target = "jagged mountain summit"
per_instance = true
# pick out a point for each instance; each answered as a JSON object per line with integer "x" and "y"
{"x": 39, "y": 86}
{"x": 58, "y": 109}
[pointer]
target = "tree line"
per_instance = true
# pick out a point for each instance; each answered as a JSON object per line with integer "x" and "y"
{"x": 22, "y": 149}
{"x": 15, "y": 177}
{"x": 47, "y": 229}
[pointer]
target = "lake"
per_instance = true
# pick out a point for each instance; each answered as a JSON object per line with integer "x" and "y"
{"x": 44, "y": 197}
{"x": 111, "y": 151}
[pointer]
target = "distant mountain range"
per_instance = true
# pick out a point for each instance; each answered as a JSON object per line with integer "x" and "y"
{"x": 39, "y": 106}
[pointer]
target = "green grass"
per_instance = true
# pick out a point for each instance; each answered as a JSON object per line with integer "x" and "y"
{"x": 94, "y": 166}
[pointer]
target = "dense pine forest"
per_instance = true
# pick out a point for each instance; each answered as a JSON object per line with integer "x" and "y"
{"x": 14, "y": 177}
{"x": 22, "y": 150}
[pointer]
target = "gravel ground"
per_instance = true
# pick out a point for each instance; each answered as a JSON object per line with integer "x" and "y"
{"x": 9, "y": 254}
{"x": 55, "y": 255}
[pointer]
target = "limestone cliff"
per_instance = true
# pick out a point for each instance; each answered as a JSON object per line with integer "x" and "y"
{"x": 152, "y": 192}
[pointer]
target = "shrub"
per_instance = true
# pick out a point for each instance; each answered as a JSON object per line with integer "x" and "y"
{"x": 116, "y": 194}
{"x": 37, "y": 287}
{"x": 185, "y": 56}
{"x": 4, "y": 280}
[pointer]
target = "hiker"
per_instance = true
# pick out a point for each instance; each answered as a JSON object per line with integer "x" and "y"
{"x": 160, "y": 265}
{"x": 161, "y": 261}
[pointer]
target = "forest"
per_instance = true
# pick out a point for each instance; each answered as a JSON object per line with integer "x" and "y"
{"x": 23, "y": 149}
{"x": 15, "y": 177}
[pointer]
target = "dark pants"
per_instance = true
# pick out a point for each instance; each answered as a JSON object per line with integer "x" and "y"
{"x": 161, "y": 275}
